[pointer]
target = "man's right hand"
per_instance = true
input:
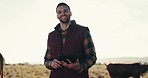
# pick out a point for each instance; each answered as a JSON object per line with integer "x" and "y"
{"x": 56, "y": 64}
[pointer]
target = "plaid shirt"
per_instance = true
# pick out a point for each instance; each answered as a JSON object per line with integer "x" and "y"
{"x": 89, "y": 50}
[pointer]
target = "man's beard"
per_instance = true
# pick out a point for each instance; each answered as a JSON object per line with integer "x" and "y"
{"x": 65, "y": 21}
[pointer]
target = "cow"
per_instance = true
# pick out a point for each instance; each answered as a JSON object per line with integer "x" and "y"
{"x": 124, "y": 70}
{"x": 1, "y": 65}
{"x": 144, "y": 69}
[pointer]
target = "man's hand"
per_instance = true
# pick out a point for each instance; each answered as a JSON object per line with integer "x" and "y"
{"x": 74, "y": 66}
{"x": 56, "y": 64}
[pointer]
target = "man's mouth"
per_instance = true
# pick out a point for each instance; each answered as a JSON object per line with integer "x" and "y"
{"x": 63, "y": 16}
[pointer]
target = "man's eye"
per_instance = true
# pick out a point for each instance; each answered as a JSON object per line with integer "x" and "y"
{"x": 65, "y": 10}
{"x": 59, "y": 12}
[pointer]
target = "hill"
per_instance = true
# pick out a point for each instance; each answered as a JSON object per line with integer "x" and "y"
{"x": 124, "y": 60}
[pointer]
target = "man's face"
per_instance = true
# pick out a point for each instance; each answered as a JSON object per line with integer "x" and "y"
{"x": 63, "y": 14}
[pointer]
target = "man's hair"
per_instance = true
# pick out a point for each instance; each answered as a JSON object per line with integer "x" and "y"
{"x": 62, "y": 3}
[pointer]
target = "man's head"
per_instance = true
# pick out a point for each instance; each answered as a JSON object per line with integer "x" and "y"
{"x": 63, "y": 12}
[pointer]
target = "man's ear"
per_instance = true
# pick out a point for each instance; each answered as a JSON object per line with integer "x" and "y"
{"x": 70, "y": 13}
{"x": 57, "y": 16}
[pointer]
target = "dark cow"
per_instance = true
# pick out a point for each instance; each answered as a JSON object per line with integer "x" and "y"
{"x": 124, "y": 70}
{"x": 144, "y": 69}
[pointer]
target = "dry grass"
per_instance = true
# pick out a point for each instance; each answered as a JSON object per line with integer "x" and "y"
{"x": 25, "y": 71}
{"x": 39, "y": 71}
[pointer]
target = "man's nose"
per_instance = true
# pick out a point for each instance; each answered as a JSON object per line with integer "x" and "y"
{"x": 63, "y": 13}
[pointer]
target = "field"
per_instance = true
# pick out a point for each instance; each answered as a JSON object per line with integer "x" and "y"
{"x": 39, "y": 71}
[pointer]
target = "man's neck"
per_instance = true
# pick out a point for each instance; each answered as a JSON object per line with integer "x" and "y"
{"x": 65, "y": 26}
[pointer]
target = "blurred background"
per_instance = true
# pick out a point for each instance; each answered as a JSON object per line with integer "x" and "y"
{"x": 118, "y": 27}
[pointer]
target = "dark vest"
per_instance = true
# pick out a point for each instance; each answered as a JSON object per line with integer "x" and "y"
{"x": 73, "y": 46}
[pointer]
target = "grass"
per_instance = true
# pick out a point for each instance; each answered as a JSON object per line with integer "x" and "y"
{"x": 39, "y": 71}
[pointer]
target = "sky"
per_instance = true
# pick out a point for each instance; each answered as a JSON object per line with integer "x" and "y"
{"x": 119, "y": 28}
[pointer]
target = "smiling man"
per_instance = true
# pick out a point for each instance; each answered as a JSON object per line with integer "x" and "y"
{"x": 70, "y": 48}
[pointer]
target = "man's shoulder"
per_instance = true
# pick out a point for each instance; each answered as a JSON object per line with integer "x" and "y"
{"x": 52, "y": 33}
{"x": 81, "y": 27}
{"x": 78, "y": 26}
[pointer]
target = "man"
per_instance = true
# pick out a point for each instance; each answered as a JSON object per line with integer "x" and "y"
{"x": 2, "y": 61}
{"x": 70, "y": 49}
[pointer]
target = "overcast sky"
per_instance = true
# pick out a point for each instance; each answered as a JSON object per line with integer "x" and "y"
{"x": 119, "y": 28}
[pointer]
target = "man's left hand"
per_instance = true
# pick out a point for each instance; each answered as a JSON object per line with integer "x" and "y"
{"x": 74, "y": 66}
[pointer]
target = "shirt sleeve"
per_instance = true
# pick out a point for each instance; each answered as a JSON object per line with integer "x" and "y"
{"x": 90, "y": 53}
{"x": 48, "y": 58}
